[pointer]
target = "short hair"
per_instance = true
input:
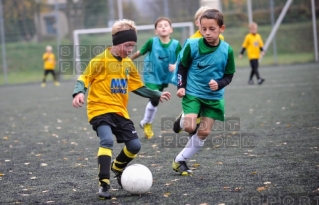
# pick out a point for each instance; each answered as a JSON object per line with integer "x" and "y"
{"x": 123, "y": 25}
{"x": 48, "y": 48}
{"x": 163, "y": 19}
{"x": 200, "y": 11}
{"x": 253, "y": 24}
{"x": 214, "y": 14}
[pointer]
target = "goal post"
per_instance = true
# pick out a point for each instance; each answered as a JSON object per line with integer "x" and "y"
{"x": 77, "y": 33}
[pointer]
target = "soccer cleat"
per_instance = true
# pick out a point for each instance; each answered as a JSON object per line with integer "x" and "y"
{"x": 182, "y": 168}
{"x": 148, "y": 131}
{"x": 118, "y": 175}
{"x": 56, "y": 83}
{"x": 43, "y": 85}
{"x": 176, "y": 127}
{"x": 104, "y": 192}
{"x": 260, "y": 81}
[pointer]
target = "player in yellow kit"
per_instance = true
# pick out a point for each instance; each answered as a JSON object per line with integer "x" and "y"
{"x": 253, "y": 43}
{"x": 49, "y": 65}
{"x": 110, "y": 77}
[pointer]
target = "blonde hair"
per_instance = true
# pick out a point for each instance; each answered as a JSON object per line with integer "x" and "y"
{"x": 200, "y": 11}
{"x": 253, "y": 25}
{"x": 123, "y": 25}
{"x": 48, "y": 48}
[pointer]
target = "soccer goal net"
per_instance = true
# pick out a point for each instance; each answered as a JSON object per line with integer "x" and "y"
{"x": 91, "y": 42}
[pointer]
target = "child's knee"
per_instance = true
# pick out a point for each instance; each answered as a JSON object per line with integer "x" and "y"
{"x": 133, "y": 146}
{"x": 107, "y": 143}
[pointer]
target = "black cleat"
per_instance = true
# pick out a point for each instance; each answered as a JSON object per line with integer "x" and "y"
{"x": 104, "y": 192}
{"x": 260, "y": 81}
{"x": 118, "y": 175}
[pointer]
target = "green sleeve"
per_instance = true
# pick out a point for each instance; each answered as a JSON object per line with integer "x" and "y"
{"x": 147, "y": 46}
{"x": 79, "y": 88}
{"x": 178, "y": 49}
{"x": 230, "y": 67}
{"x": 147, "y": 93}
{"x": 186, "y": 58}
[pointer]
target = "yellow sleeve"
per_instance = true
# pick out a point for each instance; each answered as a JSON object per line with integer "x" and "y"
{"x": 135, "y": 81}
{"x": 95, "y": 67}
{"x": 221, "y": 37}
{"x": 45, "y": 56}
{"x": 246, "y": 42}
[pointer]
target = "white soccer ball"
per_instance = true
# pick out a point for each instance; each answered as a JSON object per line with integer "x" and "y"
{"x": 137, "y": 179}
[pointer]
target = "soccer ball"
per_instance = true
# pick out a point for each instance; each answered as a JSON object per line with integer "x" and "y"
{"x": 137, "y": 179}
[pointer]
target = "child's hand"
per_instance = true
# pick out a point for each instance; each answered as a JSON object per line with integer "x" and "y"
{"x": 171, "y": 67}
{"x": 165, "y": 96}
{"x": 240, "y": 56}
{"x": 78, "y": 100}
{"x": 262, "y": 53}
{"x": 181, "y": 92}
{"x": 213, "y": 85}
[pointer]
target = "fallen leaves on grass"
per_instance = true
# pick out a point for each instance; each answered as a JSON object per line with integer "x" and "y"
{"x": 44, "y": 164}
{"x": 33, "y": 178}
{"x": 219, "y": 163}
{"x": 263, "y": 188}
{"x": 196, "y": 165}
{"x": 5, "y": 138}
{"x": 1, "y": 174}
{"x": 167, "y": 194}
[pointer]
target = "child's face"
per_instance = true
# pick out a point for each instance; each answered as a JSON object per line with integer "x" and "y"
{"x": 253, "y": 29}
{"x": 124, "y": 49}
{"x": 163, "y": 28}
{"x": 211, "y": 30}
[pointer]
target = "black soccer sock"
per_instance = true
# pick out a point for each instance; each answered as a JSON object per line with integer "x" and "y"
{"x": 123, "y": 159}
{"x": 104, "y": 162}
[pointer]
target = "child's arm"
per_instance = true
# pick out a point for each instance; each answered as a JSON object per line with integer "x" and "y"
{"x": 145, "y": 48}
{"x": 148, "y": 93}
{"x": 228, "y": 75}
{"x": 136, "y": 55}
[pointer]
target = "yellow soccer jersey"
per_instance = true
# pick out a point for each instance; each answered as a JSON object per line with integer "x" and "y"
{"x": 197, "y": 34}
{"x": 110, "y": 82}
{"x": 253, "y": 43}
{"x": 49, "y": 61}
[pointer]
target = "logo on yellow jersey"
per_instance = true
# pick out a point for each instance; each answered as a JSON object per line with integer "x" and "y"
{"x": 118, "y": 86}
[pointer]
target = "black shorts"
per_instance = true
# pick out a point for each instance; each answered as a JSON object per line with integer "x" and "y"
{"x": 122, "y": 128}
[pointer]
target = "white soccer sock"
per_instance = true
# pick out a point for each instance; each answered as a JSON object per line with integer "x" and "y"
{"x": 192, "y": 146}
{"x": 150, "y": 112}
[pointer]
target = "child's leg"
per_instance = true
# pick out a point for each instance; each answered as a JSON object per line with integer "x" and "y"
{"x": 252, "y": 72}
{"x": 105, "y": 152}
{"x": 128, "y": 153}
{"x": 150, "y": 111}
{"x": 45, "y": 76}
{"x": 254, "y": 66}
{"x": 197, "y": 140}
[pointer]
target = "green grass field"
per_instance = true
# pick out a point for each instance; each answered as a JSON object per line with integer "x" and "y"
{"x": 48, "y": 149}
{"x": 25, "y": 59}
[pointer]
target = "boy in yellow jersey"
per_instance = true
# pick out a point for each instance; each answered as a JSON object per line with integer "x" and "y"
{"x": 49, "y": 65}
{"x": 178, "y": 123}
{"x": 111, "y": 75}
{"x": 206, "y": 67}
{"x": 161, "y": 56}
{"x": 254, "y": 45}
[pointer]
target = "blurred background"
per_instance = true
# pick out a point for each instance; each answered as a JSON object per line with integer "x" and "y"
{"x": 27, "y": 26}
